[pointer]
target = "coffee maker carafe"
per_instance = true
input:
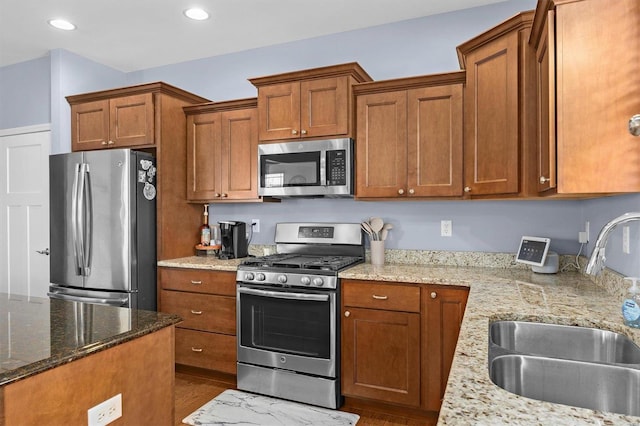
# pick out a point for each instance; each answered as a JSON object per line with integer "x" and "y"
{"x": 233, "y": 236}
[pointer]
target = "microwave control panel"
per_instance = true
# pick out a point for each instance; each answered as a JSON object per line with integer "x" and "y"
{"x": 337, "y": 167}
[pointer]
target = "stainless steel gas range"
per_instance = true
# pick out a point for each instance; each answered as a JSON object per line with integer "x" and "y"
{"x": 288, "y": 308}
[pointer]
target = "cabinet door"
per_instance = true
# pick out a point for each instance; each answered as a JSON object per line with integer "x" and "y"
{"x": 239, "y": 154}
{"x": 324, "y": 107}
{"x": 598, "y": 82}
{"x": 381, "y": 355}
{"x": 546, "y": 113}
{"x": 210, "y": 351}
{"x": 381, "y": 145}
{"x": 279, "y": 111}
{"x": 203, "y": 156}
{"x": 434, "y": 148}
{"x": 131, "y": 120}
{"x": 90, "y": 125}
{"x": 491, "y": 118}
{"x": 441, "y": 326}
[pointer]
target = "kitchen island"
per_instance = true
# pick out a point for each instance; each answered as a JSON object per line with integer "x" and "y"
{"x": 60, "y": 358}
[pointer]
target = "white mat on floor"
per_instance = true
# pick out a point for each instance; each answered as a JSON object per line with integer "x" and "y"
{"x": 233, "y": 407}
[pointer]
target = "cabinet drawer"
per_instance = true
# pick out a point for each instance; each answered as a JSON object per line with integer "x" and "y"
{"x": 206, "y": 350}
{"x": 389, "y": 297}
{"x": 198, "y": 281}
{"x": 201, "y": 311}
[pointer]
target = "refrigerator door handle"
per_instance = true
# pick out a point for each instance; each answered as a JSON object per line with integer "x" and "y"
{"x": 75, "y": 219}
{"x": 112, "y": 302}
{"x": 88, "y": 218}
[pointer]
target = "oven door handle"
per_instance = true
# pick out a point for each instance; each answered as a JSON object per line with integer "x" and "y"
{"x": 284, "y": 294}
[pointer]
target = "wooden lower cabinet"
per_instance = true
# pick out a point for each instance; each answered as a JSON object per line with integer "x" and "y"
{"x": 205, "y": 300}
{"x": 398, "y": 341}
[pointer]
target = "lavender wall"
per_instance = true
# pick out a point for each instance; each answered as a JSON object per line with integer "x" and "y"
{"x": 25, "y": 93}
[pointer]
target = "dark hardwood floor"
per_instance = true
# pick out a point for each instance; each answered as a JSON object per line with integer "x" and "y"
{"x": 191, "y": 392}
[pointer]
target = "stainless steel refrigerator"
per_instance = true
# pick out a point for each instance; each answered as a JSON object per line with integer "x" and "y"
{"x": 103, "y": 227}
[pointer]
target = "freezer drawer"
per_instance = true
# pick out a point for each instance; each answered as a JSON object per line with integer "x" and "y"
{"x": 123, "y": 299}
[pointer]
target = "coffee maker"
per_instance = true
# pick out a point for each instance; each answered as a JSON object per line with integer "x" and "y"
{"x": 233, "y": 236}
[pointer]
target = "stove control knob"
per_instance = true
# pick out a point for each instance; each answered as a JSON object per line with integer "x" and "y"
{"x": 318, "y": 282}
{"x": 248, "y": 276}
{"x": 260, "y": 276}
{"x": 305, "y": 280}
{"x": 282, "y": 279}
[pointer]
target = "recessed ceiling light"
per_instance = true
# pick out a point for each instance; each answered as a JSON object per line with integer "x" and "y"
{"x": 196, "y": 14}
{"x": 62, "y": 24}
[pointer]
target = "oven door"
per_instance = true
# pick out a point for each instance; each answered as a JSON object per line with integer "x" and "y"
{"x": 287, "y": 329}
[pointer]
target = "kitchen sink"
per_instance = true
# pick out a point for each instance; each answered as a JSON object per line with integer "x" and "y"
{"x": 602, "y": 387}
{"x": 562, "y": 341}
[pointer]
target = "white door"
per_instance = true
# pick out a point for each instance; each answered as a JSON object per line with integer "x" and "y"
{"x": 24, "y": 211}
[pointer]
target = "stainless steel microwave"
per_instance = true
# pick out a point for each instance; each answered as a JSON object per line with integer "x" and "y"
{"x": 315, "y": 168}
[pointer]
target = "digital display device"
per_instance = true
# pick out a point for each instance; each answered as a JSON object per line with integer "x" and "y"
{"x": 533, "y": 250}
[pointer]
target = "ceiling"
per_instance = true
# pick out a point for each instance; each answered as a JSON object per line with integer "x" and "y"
{"x": 131, "y": 35}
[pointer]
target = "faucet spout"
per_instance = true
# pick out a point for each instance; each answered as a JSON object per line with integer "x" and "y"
{"x": 597, "y": 259}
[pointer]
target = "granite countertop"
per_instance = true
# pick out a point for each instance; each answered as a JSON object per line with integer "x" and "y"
{"x": 211, "y": 263}
{"x": 514, "y": 294}
{"x": 38, "y": 334}
{"x": 503, "y": 292}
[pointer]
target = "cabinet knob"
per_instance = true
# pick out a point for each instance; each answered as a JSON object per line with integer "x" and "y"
{"x": 544, "y": 180}
{"x": 294, "y": 132}
{"x": 634, "y": 125}
{"x": 303, "y": 132}
{"x": 110, "y": 143}
{"x": 347, "y": 313}
{"x": 467, "y": 189}
{"x": 196, "y": 312}
{"x": 216, "y": 195}
{"x": 224, "y": 195}
{"x": 400, "y": 191}
{"x": 411, "y": 191}
{"x": 433, "y": 294}
{"x": 104, "y": 142}
{"x": 196, "y": 349}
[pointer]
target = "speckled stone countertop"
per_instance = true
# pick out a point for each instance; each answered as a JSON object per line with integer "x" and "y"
{"x": 498, "y": 289}
{"x": 515, "y": 294}
{"x": 38, "y": 334}
{"x": 211, "y": 263}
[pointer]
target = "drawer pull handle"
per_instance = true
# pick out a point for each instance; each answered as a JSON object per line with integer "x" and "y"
{"x": 375, "y": 296}
{"x": 196, "y": 349}
{"x": 196, "y": 312}
{"x": 196, "y": 282}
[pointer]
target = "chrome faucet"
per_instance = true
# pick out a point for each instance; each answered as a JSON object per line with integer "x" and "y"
{"x": 597, "y": 259}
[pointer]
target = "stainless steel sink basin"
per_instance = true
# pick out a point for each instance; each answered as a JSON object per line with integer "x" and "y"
{"x": 596, "y": 386}
{"x": 566, "y": 342}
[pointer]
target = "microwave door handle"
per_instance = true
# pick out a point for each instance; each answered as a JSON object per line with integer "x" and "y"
{"x": 284, "y": 295}
{"x": 323, "y": 168}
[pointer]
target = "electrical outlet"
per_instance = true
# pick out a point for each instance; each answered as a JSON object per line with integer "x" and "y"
{"x": 445, "y": 228}
{"x": 582, "y": 237}
{"x": 256, "y": 225}
{"x": 105, "y": 412}
{"x": 626, "y": 249}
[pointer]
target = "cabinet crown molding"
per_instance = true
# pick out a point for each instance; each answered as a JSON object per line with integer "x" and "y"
{"x": 352, "y": 69}
{"x": 455, "y": 77}
{"x": 520, "y": 21}
{"x": 157, "y": 87}
{"x": 221, "y": 106}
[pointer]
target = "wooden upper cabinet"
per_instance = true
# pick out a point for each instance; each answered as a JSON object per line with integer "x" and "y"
{"x": 120, "y": 122}
{"x": 597, "y": 81}
{"x": 409, "y": 139}
{"x": 222, "y": 151}
{"x": 307, "y": 104}
{"x": 498, "y": 108}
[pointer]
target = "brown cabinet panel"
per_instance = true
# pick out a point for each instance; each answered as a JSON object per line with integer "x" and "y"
{"x": 491, "y": 118}
{"x": 206, "y": 350}
{"x": 201, "y": 311}
{"x": 381, "y": 145}
{"x": 90, "y": 125}
{"x": 279, "y": 111}
{"x": 203, "y": 146}
{"x": 434, "y": 150}
{"x": 381, "y": 355}
{"x": 444, "y": 309}
{"x": 131, "y": 120}
{"x": 239, "y": 156}
{"x": 198, "y": 281}
{"x": 324, "y": 107}
{"x": 390, "y": 297}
